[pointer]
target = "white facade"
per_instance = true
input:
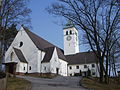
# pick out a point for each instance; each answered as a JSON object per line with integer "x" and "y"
{"x": 75, "y": 69}
{"x": 33, "y": 56}
{"x": 71, "y": 41}
{"x": 28, "y": 49}
{"x": 71, "y": 47}
{"x": 21, "y": 66}
{"x": 56, "y": 65}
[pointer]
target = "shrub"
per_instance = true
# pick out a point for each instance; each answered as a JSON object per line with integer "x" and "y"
{"x": 2, "y": 75}
{"x": 76, "y": 74}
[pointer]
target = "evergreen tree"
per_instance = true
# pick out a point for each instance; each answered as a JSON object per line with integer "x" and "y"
{"x": 10, "y": 34}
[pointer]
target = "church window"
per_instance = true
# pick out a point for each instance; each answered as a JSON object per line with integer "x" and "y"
{"x": 93, "y": 65}
{"x": 66, "y": 32}
{"x": 70, "y": 67}
{"x": 21, "y": 44}
{"x": 85, "y": 66}
{"x": 24, "y": 68}
{"x": 70, "y": 32}
{"x": 77, "y": 67}
{"x": 29, "y": 67}
{"x": 75, "y": 33}
{"x": 11, "y": 56}
{"x": 44, "y": 68}
{"x": 93, "y": 73}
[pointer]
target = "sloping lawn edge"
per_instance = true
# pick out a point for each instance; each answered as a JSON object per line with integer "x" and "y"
{"x": 14, "y": 83}
{"x": 93, "y": 84}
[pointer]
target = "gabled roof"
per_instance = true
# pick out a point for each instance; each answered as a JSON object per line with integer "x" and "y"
{"x": 81, "y": 58}
{"x": 49, "y": 52}
{"x": 48, "y": 55}
{"x": 60, "y": 54}
{"x": 20, "y": 55}
{"x": 40, "y": 43}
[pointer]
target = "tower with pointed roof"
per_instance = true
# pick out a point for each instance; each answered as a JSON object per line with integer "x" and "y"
{"x": 71, "y": 42}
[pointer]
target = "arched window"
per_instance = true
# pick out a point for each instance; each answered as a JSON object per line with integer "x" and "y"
{"x": 66, "y": 32}
{"x": 11, "y": 56}
{"x": 75, "y": 33}
{"x": 70, "y": 32}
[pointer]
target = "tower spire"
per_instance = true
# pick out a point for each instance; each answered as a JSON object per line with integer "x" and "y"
{"x": 69, "y": 24}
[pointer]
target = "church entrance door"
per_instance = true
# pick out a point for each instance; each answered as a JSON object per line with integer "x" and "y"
{"x": 11, "y": 68}
{"x": 57, "y": 71}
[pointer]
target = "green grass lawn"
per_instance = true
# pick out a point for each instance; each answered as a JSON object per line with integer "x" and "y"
{"x": 93, "y": 84}
{"x": 14, "y": 83}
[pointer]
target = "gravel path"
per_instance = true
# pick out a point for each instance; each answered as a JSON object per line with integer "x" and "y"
{"x": 57, "y": 83}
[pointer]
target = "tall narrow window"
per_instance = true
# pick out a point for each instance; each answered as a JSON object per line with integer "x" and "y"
{"x": 77, "y": 67}
{"x": 29, "y": 67}
{"x": 85, "y": 66}
{"x": 66, "y": 32}
{"x": 75, "y": 33}
{"x": 70, "y": 32}
{"x": 44, "y": 68}
{"x": 11, "y": 56}
{"x": 93, "y": 65}
{"x": 24, "y": 68}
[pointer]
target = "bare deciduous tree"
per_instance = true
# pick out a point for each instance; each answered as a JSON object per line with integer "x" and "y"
{"x": 99, "y": 19}
{"x": 12, "y": 12}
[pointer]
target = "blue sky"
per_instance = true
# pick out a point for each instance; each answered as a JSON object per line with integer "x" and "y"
{"x": 44, "y": 24}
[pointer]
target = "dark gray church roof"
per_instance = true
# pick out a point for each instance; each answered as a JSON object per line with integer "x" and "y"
{"x": 48, "y": 55}
{"x": 20, "y": 55}
{"x": 60, "y": 54}
{"x": 81, "y": 58}
{"x": 44, "y": 45}
{"x": 38, "y": 41}
{"x": 49, "y": 52}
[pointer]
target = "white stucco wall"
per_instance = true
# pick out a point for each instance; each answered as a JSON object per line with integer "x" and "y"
{"x": 41, "y": 55}
{"x": 55, "y": 62}
{"x": 81, "y": 67}
{"x": 63, "y": 67}
{"x": 22, "y": 67}
{"x": 45, "y": 68}
{"x": 8, "y": 57}
{"x": 28, "y": 49}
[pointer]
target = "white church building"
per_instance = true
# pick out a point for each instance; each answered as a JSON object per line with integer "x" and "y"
{"x": 31, "y": 54}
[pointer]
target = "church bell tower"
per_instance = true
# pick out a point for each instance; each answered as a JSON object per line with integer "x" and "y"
{"x": 71, "y": 41}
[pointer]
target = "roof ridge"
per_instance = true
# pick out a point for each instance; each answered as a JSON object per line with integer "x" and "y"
{"x": 37, "y": 39}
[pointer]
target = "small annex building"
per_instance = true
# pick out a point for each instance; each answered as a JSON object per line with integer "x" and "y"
{"x": 30, "y": 53}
